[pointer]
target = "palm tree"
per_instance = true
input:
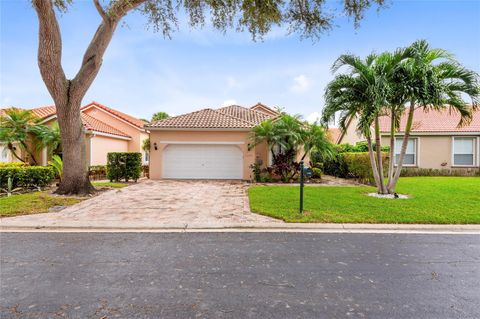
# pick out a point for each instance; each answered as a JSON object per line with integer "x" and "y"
{"x": 432, "y": 79}
{"x": 314, "y": 138}
{"x": 47, "y": 137}
{"x": 15, "y": 127}
{"x": 360, "y": 93}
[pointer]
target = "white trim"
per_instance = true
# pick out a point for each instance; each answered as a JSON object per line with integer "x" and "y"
{"x": 434, "y": 133}
{"x": 113, "y": 115}
{"x": 199, "y": 129}
{"x": 475, "y": 152}
{"x": 51, "y": 117}
{"x": 202, "y": 143}
{"x": 108, "y": 135}
{"x": 90, "y": 151}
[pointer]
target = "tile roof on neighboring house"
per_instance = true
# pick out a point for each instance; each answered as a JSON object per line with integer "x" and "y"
{"x": 45, "y": 111}
{"x": 130, "y": 119}
{"x": 229, "y": 117}
{"x": 434, "y": 121}
{"x": 92, "y": 124}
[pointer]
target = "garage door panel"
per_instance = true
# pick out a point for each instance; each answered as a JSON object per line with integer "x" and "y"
{"x": 202, "y": 162}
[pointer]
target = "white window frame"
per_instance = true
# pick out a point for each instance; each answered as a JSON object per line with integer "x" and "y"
{"x": 416, "y": 148}
{"x": 476, "y": 147}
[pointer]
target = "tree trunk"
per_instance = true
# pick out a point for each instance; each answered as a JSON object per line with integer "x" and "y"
{"x": 75, "y": 169}
{"x": 373, "y": 163}
{"x": 408, "y": 127}
{"x": 25, "y": 146}
{"x": 378, "y": 146}
{"x": 391, "y": 163}
{"x": 12, "y": 150}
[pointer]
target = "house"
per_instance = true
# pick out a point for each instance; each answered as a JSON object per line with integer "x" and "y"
{"x": 436, "y": 141}
{"x": 208, "y": 144}
{"x": 107, "y": 130}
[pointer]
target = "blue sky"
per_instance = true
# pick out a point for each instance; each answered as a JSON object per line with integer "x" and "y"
{"x": 143, "y": 73}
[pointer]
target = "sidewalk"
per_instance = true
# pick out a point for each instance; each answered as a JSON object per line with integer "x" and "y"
{"x": 10, "y": 225}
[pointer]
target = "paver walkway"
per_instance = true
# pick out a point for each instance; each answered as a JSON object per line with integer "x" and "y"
{"x": 156, "y": 203}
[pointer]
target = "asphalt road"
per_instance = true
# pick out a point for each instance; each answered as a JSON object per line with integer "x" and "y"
{"x": 239, "y": 275}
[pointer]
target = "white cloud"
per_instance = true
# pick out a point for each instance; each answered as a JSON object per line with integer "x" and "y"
{"x": 301, "y": 84}
{"x": 229, "y": 102}
{"x": 313, "y": 117}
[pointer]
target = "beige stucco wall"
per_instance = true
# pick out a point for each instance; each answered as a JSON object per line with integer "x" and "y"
{"x": 135, "y": 144}
{"x": 433, "y": 151}
{"x": 351, "y": 136}
{"x": 158, "y": 136}
{"x": 100, "y": 146}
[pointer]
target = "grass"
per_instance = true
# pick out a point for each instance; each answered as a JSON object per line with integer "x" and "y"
{"x": 32, "y": 203}
{"x": 434, "y": 200}
{"x": 109, "y": 184}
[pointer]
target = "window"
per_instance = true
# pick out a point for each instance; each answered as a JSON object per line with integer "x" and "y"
{"x": 147, "y": 157}
{"x": 410, "y": 158}
{"x": 464, "y": 151}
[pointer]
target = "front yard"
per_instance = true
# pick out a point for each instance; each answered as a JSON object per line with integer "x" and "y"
{"x": 42, "y": 202}
{"x": 433, "y": 200}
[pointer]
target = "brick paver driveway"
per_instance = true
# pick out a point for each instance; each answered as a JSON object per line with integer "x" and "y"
{"x": 167, "y": 203}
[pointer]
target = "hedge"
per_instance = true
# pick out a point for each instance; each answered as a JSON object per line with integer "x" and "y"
{"x": 96, "y": 172}
{"x": 13, "y": 164}
{"x": 27, "y": 176}
{"x": 353, "y": 165}
{"x": 124, "y": 165}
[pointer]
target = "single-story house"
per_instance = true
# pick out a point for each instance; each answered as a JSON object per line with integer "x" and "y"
{"x": 436, "y": 141}
{"x": 107, "y": 130}
{"x": 208, "y": 144}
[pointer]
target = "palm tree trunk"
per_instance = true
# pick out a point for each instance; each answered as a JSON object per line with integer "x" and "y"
{"x": 12, "y": 150}
{"x": 408, "y": 128}
{"x": 378, "y": 146}
{"x": 391, "y": 161}
{"x": 25, "y": 146}
{"x": 373, "y": 163}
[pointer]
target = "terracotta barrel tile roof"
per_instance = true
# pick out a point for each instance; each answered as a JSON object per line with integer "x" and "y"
{"x": 130, "y": 119}
{"x": 245, "y": 114}
{"x": 206, "y": 118}
{"x": 45, "y": 111}
{"x": 92, "y": 124}
{"x": 229, "y": 117}
{"x": 434, "y": 121}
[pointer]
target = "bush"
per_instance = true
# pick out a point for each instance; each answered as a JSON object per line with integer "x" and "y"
{"x": 413, "y": 171}
{"x": 359, "y": 147}
{"x": 124, "y": 165}
{"x": 27, "y": 176}
{"x": 96, "y": 172}
{"x": 13, "y": 164}
{"x": 317, "y": 172}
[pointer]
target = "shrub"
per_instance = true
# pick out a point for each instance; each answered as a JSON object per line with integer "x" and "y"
{"x": 124, "y": 165}
{"x": 13, "y": 164}
{"x": 96, "y": 172}
{"x": 256, "y": 170}
{"x": 27, "y": 176}
{"x": 317, "y": 172}
{"x": 413, "y": 171}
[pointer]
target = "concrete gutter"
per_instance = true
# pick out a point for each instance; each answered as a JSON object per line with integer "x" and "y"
{"x": 110, "y": 226}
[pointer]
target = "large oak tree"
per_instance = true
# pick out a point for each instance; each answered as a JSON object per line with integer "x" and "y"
{"x": 308, "y": 18}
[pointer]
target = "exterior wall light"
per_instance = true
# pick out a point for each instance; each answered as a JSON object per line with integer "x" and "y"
{"x": 155, "y": 146}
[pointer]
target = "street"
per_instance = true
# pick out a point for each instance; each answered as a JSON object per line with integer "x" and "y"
{"x": 239, "y": 275}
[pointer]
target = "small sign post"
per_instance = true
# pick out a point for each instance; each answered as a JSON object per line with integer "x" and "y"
{"x": 301, "y": 187}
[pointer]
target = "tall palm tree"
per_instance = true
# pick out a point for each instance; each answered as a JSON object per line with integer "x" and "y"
{"x": 359, "y": 93}
{"x": 432, "y": 79}
{"x": 314, "y": 137}
{"x": 15, "y": 127}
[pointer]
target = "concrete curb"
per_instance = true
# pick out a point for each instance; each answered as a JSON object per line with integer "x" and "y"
{"x": 109, "y": 226}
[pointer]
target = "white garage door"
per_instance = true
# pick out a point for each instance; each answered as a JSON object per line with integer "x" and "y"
{"x": 202, "y": 162}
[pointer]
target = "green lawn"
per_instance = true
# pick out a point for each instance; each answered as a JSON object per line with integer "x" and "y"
{"x": 434, "y": 200}
{"x": 109, "y": 184}
{"x": 32, "y": 203}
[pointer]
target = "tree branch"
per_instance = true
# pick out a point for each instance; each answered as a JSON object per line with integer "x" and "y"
{"x": 100, "y": 10}
{"x": 93, "y": 57}
{"x": 50, "y": 49}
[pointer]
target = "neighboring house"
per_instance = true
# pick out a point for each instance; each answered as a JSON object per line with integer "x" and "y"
{"x": 107, "y": 130}
{"x": 435, "y": 140}
{"x": 208, "y": 144}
